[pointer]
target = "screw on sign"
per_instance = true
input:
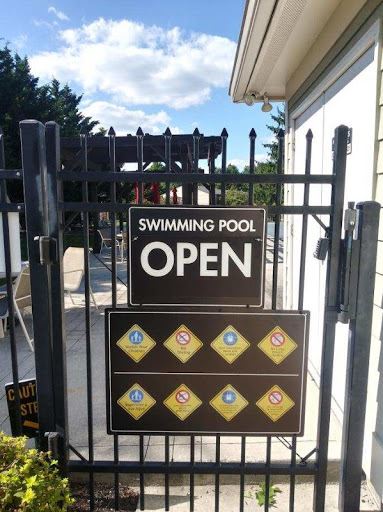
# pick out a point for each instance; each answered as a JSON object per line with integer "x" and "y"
{"x": 275, "y": 397}
{"x": 183, "y": 337}
{"x": 277, "y": 339}
{"x": 182, "y": 396}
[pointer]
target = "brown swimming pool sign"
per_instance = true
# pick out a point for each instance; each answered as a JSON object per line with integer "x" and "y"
{"x": 206, "y": 372}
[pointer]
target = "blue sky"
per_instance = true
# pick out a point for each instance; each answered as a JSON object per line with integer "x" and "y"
{"x": 148, "y": 62}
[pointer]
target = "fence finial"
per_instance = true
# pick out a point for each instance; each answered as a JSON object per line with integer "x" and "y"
{"x": 111, "y": 131}
{"x": 139, "y": 132}
{"x": 281, "y": 133}
{"x": 309, "y": 134}
{"x": 224, "y": 133}
{"x": 167, "y": 132}
{"x": 252, "y": 133}
{"x": 196, "y": 132}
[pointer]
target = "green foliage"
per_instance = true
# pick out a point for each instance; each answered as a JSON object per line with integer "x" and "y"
{"x": 272, "y": 147}
{"x": 260, "y": 495}
{"x": 21, "y": 97}
{"x": 29, "y": 479}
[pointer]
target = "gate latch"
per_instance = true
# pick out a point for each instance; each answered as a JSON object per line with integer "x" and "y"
{"x": 47, "y": 249}
{"x": 349, "y": 262}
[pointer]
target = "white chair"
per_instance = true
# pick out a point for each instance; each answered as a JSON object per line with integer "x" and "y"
{"x": 106, "y": 241}
{"x": 21, "y": 299}
{"x": 74, "y": 270}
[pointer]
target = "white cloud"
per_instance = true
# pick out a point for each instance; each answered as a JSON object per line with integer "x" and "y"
{"x": 126, "y": 121}
{"x": 20, "y": 41}
{"x": 139, "y": 64}
{"x": 59, "y": 14}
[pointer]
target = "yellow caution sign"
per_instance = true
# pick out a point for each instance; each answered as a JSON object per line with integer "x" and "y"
{"x": 136, "y": 401}
{"x": 183, "y": 343}
{"x": 229, "y": 402}
{"x": 277, "y": 345}
{"x": 182, "y": 402}
{"x": 230, "y": 344}
{"x": 275, "y": 403}
{"x": 136, "y": 343}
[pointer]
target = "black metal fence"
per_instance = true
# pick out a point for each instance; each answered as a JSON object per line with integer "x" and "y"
{"x": 45, "y": 207}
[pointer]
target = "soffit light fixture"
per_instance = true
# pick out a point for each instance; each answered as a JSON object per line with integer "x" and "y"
{"x": 266, "y": 107}
{"x": 250, "y": 98}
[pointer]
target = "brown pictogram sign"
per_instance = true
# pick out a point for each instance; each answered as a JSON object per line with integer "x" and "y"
{"x": 207, "y": 372}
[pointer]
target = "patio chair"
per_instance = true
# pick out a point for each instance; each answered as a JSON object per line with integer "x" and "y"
{"x": 106, "y": 240}
{"x": 21, "y": 299}
{"x": 74, "y": 270}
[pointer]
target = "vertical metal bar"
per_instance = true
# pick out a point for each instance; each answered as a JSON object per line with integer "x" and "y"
{"x": 142, "y": 481}
{"x": 252, "y": 136}
{"x": 211, "y": 157}
{"x": 8, "y": 272}
{"x": 306, "y": 196}
{"x": 166, "y": 473}
{"x": 36, "y": 211}
{"x": 277, "y": 219}
{"x": 267, "y": 477}
{"x": 113, "y": 199}
{"x": 168, "y": 160}
{"x": 292, "y": 476}
{"x": 56, "y": 224}
{"x": 358, "y": 359}
{"x": 196, "y": 141}
{"x": 224, "y": 136}
{"x": 192, "y": 459}
{"x": 140, "y": 162}
{"x": 89, "y": 380}
{"x": 331, "y": 304}
{"x": 217, "y": 462}
{"x": 242, "y": 475}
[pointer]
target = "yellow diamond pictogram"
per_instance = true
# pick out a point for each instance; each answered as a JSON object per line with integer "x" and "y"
{"x": 136, "y": 343}
{"x": 229, "y": 402}
{"x": 136, "y": 401}
{"x": 277, "y": 345}
{"x": 275, "y": 403}
{"x": 230, "y": 344}
{"x": 182, "y": 402}
{"x": 183, "y": 343}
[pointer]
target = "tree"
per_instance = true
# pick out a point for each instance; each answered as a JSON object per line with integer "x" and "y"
{"x": 272, "y": 147}
{"x": 21, "y": 97}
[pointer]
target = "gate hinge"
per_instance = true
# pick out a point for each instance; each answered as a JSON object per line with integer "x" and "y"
{"x": 47, "y": 249}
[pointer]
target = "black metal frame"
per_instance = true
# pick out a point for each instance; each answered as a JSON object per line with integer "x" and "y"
{"x": 43, "y": 186}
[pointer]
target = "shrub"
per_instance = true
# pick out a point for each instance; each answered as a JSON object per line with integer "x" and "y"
{"x": 29, "y": 479}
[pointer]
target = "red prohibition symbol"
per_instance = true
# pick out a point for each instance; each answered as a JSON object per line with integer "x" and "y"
{"x": 183, "y": 337}
{"x": 277, "y": 339}
{"x": 182, "y": 396}
{"x": 275, "y": 397}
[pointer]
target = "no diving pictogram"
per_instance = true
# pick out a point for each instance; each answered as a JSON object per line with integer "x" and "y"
{"x": 183, "y": 337}
{"x": 275, "y": 397}
{"x": 182, "y": 396}
{"x": 277, "y": 339}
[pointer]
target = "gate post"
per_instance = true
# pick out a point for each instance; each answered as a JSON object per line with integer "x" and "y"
{"x": 330, "y": 315}
{"x": 32, "y": 134}
{"x": 358, "y": 358}
{"x": 55, "y": 231}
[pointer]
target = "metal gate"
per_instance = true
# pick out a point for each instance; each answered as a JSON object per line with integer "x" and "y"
{"x": 348, "y": 297}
